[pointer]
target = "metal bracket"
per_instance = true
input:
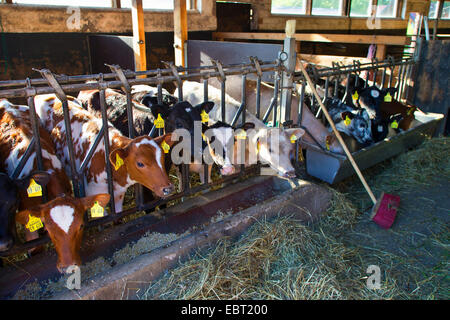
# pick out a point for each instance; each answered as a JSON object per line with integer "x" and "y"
{"x": 257, "y": 66}
{"x": 220, "y": 69}
{"x": 50, "y": 77}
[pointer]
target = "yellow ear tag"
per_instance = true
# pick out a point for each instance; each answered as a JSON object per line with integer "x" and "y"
{"x": 159, "y": 122}
{"x": 410, "y": 111}
{"x": 97, "y": 210}
{"x": 165, "y": 147}
{"x": 258, "y": 146}
{"x": 355, "y": 96}
{"x": 293, "y": 138}
{"x": 119, "y": 162}
{"x": 203, "y": 137}
{"x": 394, "y": 124}
{"x": 388, "y": 97}
{"x": 34, "y": 223}
{"x": 347, "y": 121}
{"x": 205, "y": 116}
{"x": 327, "y": 145}
{"x": 34, "y": 189}
{"x": 242, "y": 135}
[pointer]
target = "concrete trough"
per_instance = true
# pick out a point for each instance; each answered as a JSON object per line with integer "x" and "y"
{"x": 245, "y": 202}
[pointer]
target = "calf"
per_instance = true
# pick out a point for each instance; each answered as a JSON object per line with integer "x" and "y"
{"x": 63, "y": 219}
{"x": 394, "y": 107}
{"x": 354, "y": 123}
{"x": 15, "y": 136}
{"x": 10, "y": 201}
{"x": 274, "y": 144}
{"x": 138, "y": 160}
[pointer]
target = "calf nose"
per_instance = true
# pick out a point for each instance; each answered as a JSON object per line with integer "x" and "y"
{"x": 227, "y": 170}
{"x": 168, "y": 190}
{"x": 6, "y": 244}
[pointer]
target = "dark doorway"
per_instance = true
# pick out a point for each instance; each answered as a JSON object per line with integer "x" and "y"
{"x": 233, "y": 16}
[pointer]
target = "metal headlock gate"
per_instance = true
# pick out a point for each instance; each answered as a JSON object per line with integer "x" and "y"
{"x": 124, "y": 79}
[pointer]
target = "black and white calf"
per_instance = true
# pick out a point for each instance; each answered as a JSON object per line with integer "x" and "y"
{"x": 355, "y": 123}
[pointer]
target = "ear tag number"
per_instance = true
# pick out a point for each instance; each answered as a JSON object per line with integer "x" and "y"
{"x": 97, "y": 211}
{"x": 159, "y": 122}
{"x": 388, "y": 97}
{"x": 34, "y": 189}
{"x": 355, "y": 96}
{"x": 293, "y": 138}
{"x": 205, "y": 116}
{"x": 119, "y": 162}
{"x": 394, "y": 124}
{"x": 34, "y": 223}
{"x": 347, "y": 121}
{"x": 165, "y": 147}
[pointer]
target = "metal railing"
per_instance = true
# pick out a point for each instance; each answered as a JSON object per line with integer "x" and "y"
{"x": 61, "y": 85}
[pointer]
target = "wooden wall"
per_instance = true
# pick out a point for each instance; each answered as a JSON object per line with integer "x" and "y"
{"x": 264, "y": 20}
{"x": 29, "y": 18}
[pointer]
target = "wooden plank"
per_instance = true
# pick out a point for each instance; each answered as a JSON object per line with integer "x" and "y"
{"x": 137, "y": 15}
{"x": 327, "y": 60}
{"x": 316, "y": 37}
{"x": 180, "y": 31}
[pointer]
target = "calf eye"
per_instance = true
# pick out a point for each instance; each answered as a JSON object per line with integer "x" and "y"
{"x": 140, "y": 164}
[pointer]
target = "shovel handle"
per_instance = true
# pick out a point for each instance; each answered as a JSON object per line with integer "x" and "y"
{"x": 338, "y": 135}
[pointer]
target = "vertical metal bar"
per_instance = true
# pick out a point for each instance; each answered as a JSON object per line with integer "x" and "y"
{"x": 300, "y": 116}
{"x": 383, "y": 78}
{"x": 275, "y": 107}
{"x": 258, "y": 96}
{"x": 347, "y": 86}
{"x": 205, "y": 99}
{"x": 36, "y": 135}
{"x": 336, "y": 87}
{"x": 106, "y": 142}
{"x": 399, "y": 80}
{"x": 222, "y": 99}
{"x": 244, "y": 96}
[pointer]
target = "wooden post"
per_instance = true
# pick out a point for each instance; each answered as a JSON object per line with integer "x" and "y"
{"x": 137, "y": 14}
{"x": 381, "y": 52}
{"x": 180, "y": 31}
{"x": 286, "y": 91}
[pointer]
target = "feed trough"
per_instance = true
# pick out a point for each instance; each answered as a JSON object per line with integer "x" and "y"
{"x": 332, "y": 167}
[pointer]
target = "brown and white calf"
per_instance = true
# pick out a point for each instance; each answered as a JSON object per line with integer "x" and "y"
{"x": 63, "y": 220}
{"x": 15, "y": 136}
{"x": 139, "y": 160}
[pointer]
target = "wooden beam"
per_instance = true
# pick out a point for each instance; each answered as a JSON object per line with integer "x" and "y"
{"x": 317, "y": 37}
{"x": 180, "y": 31}
{"x": 137, "y": 15}
{"x": 308, "y": 9}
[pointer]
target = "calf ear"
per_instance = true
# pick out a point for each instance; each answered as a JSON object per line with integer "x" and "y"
{"x": 207, "y": 106}
{"x": 23, "y": 216}
{"x": 167, "y": 138}
{"x": 88, "y": 202}
{"x": 41, "y": 178}
{"x": 121, "y": 152}
{"x": 298, "y": 132}
{"x": 391, "y": 91}
{"x": 158, "y": 108}
{"x": 346, "y": 114}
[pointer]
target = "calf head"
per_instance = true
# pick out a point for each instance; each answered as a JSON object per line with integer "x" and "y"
{"x": 184, "y": 116}
{"x": 63, "y": 220}
{"x": 370, "y": 99}
{"x": 276, "y": 147}
{"x": 143, "y": 160}
{"x": 357, "y": 124}
{"x": 9, "y": 203}
{"x": 221, "y": 139}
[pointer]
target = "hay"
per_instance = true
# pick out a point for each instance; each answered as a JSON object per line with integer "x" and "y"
{"x": 283, "y": 259}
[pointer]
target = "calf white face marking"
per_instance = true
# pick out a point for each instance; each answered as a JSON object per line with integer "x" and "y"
{"x": 63, "y": 217}
{"x": 152, "y": 143}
